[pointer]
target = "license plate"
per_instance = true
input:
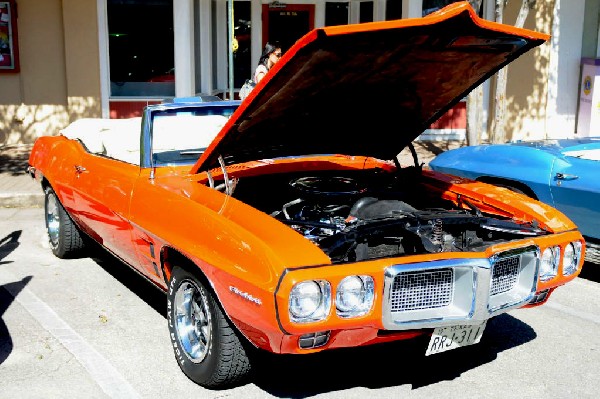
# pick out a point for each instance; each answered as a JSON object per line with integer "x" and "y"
{"x": 452, "y": 337}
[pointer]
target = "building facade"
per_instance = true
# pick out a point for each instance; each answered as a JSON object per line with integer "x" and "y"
{"x": 109, "y": 58}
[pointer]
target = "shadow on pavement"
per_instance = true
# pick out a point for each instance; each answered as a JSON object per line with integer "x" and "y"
{"x": 385, "y": 365}
{"x": 14, "y": 159}
{"x": 590, "y": 271}
{"x": 8, "y": 292}
{"x": 134, "y": 281}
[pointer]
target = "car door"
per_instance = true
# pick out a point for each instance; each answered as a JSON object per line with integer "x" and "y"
{"x": 102, "y": 194}
{"x": 575, "y": 189}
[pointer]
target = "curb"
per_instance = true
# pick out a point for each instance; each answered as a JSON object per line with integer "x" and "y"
{"x": 21, "y": 200}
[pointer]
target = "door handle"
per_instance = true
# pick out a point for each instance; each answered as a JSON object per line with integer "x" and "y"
{"x": 565, "y": 176}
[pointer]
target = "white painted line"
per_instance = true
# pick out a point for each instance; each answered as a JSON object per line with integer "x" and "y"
{"x": 582, "y": 315}
{"x": 105, "y": 375}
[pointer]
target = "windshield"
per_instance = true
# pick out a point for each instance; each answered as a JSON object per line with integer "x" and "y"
{"x": 180, "y": 136}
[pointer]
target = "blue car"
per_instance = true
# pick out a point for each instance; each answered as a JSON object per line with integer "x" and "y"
{"x": 563, "y": 173}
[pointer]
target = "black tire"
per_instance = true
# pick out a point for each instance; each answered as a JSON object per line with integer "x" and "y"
{"x": 206, "y": 345}
{"x": 64, "y": 237}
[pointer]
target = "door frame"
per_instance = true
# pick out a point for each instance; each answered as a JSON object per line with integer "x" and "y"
{"x": 285, "y": 7}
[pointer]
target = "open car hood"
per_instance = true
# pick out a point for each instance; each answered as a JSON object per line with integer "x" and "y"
{"x": 366, "y": 89}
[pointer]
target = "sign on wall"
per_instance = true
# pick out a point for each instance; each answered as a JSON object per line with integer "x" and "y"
{"x": 588, "y": 118}
{"x": 9, "y": 49}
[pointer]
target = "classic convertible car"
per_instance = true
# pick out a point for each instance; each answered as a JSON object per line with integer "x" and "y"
{"x": 286, "y": 223}
{"x": 562, "y": 173}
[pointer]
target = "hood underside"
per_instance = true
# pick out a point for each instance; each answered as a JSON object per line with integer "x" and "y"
{"x": 367, "y": 89}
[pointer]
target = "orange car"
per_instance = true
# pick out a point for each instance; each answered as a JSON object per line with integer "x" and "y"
{"x": 287, "y": 224}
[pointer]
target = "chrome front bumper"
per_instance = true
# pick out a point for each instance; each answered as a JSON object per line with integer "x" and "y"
{"x": 458, "y": 291}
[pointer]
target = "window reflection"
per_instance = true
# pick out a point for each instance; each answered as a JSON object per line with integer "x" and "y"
{"x": 141, "y": 47}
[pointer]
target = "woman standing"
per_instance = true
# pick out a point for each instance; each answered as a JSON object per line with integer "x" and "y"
{"x": 270, "y": 55}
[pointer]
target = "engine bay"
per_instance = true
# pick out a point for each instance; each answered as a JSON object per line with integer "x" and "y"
{"x": 360, "y": 215}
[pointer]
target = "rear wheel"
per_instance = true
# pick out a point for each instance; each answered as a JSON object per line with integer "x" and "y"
{"x": 65, "y": 239}
{"x": 206, "y": 345}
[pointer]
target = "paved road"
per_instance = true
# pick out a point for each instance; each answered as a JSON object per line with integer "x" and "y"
{"x": 92, "y": 328}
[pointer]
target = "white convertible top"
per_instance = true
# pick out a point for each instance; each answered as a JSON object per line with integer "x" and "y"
{"x": 115, "y": 138}
{"x": 120, "y": 138}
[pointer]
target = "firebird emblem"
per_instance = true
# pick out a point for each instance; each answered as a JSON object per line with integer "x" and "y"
{"x": 245, "y": 295}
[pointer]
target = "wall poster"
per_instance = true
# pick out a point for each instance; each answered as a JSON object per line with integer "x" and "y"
{"x": 9, "y": 50}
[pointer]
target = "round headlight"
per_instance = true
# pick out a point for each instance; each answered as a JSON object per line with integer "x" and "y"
{"x": 571, "y": 258}
{"x": 354, "y": 296}
{"x": 309, "y": 301}
{"x": 350, "y": 293}
{"x": 549, "y": 264}
{"x": 305, "y": 299}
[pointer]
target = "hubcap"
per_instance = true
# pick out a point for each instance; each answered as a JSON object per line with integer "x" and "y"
{"x": 52, "y": 218}
{"x": 192, "y": 320}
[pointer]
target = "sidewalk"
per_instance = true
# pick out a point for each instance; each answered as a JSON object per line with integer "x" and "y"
{"x": 19, "y": 190}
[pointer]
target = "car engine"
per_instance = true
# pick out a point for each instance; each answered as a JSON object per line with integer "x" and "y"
{"x": 352, "y": 221}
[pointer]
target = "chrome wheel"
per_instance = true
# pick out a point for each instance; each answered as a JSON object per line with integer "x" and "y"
{"x": 205, "y": 343}
{"x": 193, "y": 321}
{"x": 63, "y": 235}
{"x": 52, "y": 219}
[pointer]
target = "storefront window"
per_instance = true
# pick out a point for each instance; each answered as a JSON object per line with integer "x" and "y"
{"x": 141, "y": 48}
{"x": 393, "y": 10}
{"x": 366, "y": 11}
{"x": 336, "y": 13}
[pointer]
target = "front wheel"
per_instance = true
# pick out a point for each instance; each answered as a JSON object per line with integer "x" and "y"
{"x": 65, "y": 239}
{"x": 206, "y": 345}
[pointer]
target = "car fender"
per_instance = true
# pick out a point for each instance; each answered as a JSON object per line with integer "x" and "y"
{"x": 55, "y": 159}
{"x": 227, "y": 240}
{"x": 531, "y": 167}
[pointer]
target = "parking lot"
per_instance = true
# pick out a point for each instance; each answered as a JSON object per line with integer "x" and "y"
{"x": 93, "y": 328}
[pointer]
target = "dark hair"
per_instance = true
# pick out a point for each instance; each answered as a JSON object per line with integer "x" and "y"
{"x": 269, "y": 48}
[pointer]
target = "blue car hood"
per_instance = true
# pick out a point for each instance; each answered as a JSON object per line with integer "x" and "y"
{"x": 367, "y": 89}
{"x": 558, "y": 146}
